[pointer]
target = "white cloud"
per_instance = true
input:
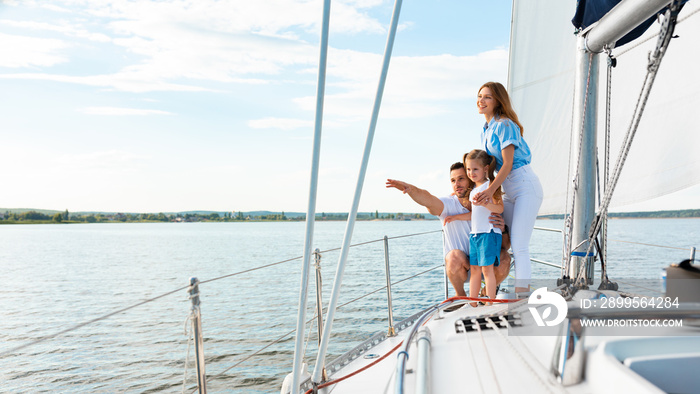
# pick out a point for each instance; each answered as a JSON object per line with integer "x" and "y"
{"x": 123, "y": 82}
{"x": 102, "y": 163}
{"x": 20, "y": 51}
{"x": 416, "y": 85}
{"x": 54, "y": 8}
{"x": 279, "y": 123}
{"x": 64, "y": 28}
{"x": 168, "y": 41}
{"x": 346, "y": 18}
{"x": 366, "y": 3}
{"x": 116, "y": 111}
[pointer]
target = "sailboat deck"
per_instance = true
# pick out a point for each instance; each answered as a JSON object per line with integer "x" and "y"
{"x": 493, "y": 360}
{"x": 484, "y": 358}
{"x": 455, "y": 356}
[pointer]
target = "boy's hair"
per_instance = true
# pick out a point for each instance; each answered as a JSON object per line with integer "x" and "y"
{"x": 487, "y": 161}
{"x": 456, "y": 166}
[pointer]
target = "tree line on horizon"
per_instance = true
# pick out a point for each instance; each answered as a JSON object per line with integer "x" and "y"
{"x": 66, "y": 217}
{"x": 33, "y": 216}
{"x": 682, "y": 213}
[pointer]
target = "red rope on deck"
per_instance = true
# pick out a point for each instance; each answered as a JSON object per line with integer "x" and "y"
{"x": 331, "y": 382}
{"x": 479, "y": 299}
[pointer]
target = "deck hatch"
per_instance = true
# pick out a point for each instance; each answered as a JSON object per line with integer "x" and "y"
{"x": 471, "y": 323}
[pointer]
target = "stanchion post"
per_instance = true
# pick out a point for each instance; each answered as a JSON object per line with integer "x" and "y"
{"x": 319, "y": 304}
{"x": 392, "y": 331}
{"x": 692, "y": 254}
{"x": 444, "y": 266}
{"x": 198, "y": 339}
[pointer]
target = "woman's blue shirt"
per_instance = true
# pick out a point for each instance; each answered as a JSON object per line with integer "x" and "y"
{"x": 500, "y": 133}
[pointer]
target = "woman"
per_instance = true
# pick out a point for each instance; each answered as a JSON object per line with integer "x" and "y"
{"x": 502, "y": 138}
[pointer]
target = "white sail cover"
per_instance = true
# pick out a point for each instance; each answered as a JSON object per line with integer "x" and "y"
{"x": 664, "y": 156}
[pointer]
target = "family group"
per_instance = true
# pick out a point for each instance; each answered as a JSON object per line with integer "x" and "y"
{"x": 495, "y": 201}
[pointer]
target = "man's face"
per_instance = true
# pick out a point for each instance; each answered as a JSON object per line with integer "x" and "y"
{"x": 458, "y": 178}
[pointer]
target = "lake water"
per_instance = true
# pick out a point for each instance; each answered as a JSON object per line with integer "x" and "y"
{"x": 57, "y": 276}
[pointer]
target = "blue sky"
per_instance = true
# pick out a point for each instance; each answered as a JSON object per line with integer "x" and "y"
{"x": 143, "y": 106}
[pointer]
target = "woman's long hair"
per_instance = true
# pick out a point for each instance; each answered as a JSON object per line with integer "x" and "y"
{"x": 486, "y": 160}
{"x": 504, "y": 109}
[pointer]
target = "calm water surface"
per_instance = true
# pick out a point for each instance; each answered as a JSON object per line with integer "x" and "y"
{"x": 57, "y": 276}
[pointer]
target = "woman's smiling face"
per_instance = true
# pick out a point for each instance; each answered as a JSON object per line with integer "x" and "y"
{"x": 485, "y": 102}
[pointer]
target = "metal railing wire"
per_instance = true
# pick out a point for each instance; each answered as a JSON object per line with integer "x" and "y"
{"x": 690, "y": 249}
{"x": 95, "y": 320}
{"x": 288, "y": 334}
{"x": 275, "y": 341}
{"x": 645, "y": 244}
{"x": 179, "y": 289}
{"x": 299, "y": 257}
{"x": 628, "y": 284}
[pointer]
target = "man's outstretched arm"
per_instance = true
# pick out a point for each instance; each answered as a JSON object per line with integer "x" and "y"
{"x": 421, "y": 196}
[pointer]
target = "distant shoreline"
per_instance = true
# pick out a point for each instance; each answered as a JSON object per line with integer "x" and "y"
{"x": 31, "y": 222}
{"x": 38, "y": 216}
{"x": 678, "y": 214}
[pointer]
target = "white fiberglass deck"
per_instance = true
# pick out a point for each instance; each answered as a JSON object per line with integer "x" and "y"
{"x": 489, "y": 360}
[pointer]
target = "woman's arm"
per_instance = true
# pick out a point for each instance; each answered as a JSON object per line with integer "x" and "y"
{"x": 494, "y": 207}
{"x": 508, "y": 152}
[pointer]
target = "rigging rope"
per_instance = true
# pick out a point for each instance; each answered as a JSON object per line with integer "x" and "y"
{"x": 256, "y": 352}
{"x": 655, "y": 291}
{"x": 392, "y": 283}
{"x": 655, "y": 57}
{"x": 314, "y": 318}
{"x": 323, "y": 251}
{"x": 375, "y": 362}
{"x": 567, "y": 218}
{"x": 190, "y": 339}
{"x": 645, "y": 244}
{"x": 484, "y": 299}
{"x": 46, "y": 338}
{"x": 308, "y": 337}
{"x": 108, "y": 315}
{"x": 612, "y": 62}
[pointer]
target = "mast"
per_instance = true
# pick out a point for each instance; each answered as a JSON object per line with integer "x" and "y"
{"x": 585, "y": 116}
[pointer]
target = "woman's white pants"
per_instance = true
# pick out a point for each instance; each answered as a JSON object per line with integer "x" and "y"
{"x": 521, "y": 203}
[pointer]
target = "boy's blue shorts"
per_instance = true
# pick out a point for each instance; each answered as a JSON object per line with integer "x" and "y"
{"x": 485, "y": 249}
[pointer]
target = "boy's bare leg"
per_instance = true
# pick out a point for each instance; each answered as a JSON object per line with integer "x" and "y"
{"x": 490, "y": 280}
{"x": 474, "y": 283}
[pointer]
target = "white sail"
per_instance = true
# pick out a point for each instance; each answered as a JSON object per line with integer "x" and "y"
{"x": 664, "y": 155}
{"x": 541, "y": 83}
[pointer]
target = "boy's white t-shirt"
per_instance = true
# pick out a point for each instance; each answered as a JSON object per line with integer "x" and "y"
{"x": 480, "y": 215}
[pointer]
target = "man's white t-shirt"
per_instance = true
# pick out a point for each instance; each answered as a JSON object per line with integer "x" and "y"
{"x": 455, "y": 233}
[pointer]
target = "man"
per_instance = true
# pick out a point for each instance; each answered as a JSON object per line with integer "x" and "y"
{"x": 456, "y": 233}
